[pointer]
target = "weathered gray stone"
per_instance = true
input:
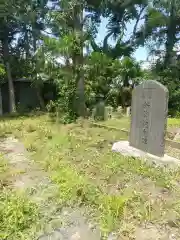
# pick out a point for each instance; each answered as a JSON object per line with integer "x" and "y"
{"x": 149, "y": 117}
{"x": 119, "y": 109}
{"x": 125, "y": 149}
{"x": 177, "y": 134}
{"x": 128, "y": 111}
{"x": 99, "y": 112}
{"x": 119, "y": 112}
{"x": 177, "y": 137}
{"x": 109, "y": 111}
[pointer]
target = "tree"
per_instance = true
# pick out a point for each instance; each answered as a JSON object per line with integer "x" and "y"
{"x": 32, "y": 18}
{"x": 8, "y": 30}
{"x": 130, "y": 74}
{"x": 170, "y": 77}
{"x": 119, "y": 14}
{"x": 121, "y": 48}
{"x": 68, "y": 23}
{"x": 112, "y": 79}
{"x": 21, "y": 23}
{"x": 162, "y": 28}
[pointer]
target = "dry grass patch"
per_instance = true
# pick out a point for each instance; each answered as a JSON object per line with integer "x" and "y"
{"x": 120, "y": 193}
{"x": 18, "y": 215}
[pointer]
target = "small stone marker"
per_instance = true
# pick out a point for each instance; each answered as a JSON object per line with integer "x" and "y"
{"x": 128, "y": 111}
{"x": 99, "y": 112}
{"x": 149, "y": 117}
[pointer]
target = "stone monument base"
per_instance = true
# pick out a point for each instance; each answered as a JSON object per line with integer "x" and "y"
{"x": 125, "y": 149}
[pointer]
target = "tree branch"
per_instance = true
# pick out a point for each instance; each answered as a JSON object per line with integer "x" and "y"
{"x": 86, "y": 17}
{"x": 94, "y": 46}
{"x": 105, "y": 42}
{"x": 138, "y": 19}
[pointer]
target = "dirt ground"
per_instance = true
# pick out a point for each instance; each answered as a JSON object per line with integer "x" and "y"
{"x": 134, "y": 200}
{"x": 65, "y": 224}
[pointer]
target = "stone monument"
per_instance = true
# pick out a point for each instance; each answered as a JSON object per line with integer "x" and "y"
{"x": 149, "y": 111}
{"x": 149, "y": 117}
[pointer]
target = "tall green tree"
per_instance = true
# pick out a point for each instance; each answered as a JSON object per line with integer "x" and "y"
{"x": 162, "y": 28}
{"x": 69, "y": 22}
{"x": 21, "y": 25}
{"x": 119, "y": 14}
{"x": 9, "y": 27}
{"x": 112, "y": 79}
{"x": 32, "y": 16}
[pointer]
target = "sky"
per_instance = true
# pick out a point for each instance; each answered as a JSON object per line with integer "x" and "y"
{"x": 140, "y": 54}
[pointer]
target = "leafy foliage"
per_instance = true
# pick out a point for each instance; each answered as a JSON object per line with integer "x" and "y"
{"x": 161, "y": 28}
{"x": 2, "y": 72}
{"x": 17, "y": 215}
{"x": 45, "y": 41}
{"x": 170, "y": 77}
{"x": 113, "y": 79}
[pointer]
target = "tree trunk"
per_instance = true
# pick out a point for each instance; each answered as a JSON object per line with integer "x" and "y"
{"x": 40, "y": 98}
{"x": 123, "y": 101}
{"x": 123, "y": 104}
{"x": 37, "y": 87}
{"x": 27, "y": 50}
{"x": 1, "y": 106}
{"x": 78, "y": 60}
{"x": 171, "y": 35}
{"x": 12, "y": 103}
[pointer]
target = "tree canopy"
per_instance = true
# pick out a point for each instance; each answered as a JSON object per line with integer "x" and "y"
{"x": 56, "y": 41}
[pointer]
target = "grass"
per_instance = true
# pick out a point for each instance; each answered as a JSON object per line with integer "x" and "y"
{"x": 18, "y": 215}
{"x": 124, "y": 122}
{"x": 173, "y": 122}
{"x": 120, "y": 193}
{"x": 3, "y": 172}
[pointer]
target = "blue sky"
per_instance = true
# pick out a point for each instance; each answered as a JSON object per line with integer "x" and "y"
{"x": 140, "y": 54}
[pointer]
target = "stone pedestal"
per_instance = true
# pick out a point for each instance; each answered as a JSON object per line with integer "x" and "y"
{"x": 125, "y": 149}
